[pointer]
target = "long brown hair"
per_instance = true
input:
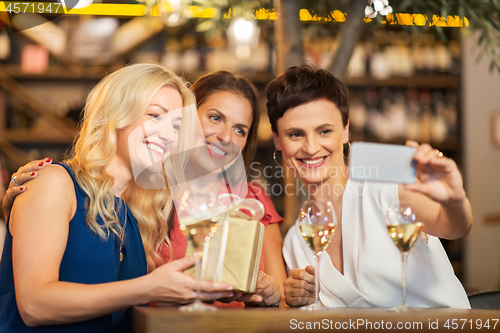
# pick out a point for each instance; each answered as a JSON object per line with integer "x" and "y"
{"x": 226, "y": 81}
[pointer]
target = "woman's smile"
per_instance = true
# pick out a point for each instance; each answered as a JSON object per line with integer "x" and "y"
{"x": 312, "y": 162}
{"x": 216, "y": 151}
{"x": 156, "y": 148}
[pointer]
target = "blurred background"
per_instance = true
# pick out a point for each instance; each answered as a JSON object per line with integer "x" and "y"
{"x": 426, "y": 71}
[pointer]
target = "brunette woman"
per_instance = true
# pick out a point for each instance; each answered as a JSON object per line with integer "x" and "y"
{"x": 309, "y": 114}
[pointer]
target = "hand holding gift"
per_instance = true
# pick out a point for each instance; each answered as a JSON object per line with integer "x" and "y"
{"x": 267, "y": 292}
{"x": 233, "y": 255}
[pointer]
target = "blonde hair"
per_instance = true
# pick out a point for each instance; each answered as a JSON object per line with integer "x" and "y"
{"x": 118, "y": 101}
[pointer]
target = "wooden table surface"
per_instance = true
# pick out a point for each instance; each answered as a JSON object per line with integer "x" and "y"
{"x": 168, "y": 319}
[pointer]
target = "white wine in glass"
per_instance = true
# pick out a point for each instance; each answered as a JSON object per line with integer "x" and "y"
{"x": 404, "y": 232}
{"x": 199, "y": 219}
{"x": 317, "y": 222}
{"x": 318, "y": 237}
{"x": 404, "y": 236}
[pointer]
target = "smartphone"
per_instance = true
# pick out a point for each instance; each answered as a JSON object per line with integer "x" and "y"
{"x": 382, "y": 163}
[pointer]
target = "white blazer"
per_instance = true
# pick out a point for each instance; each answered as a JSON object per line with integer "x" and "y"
{"x": 372, "y": 263}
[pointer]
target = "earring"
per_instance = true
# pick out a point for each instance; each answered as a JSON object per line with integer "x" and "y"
{"x": 349, "y": 153}
{"x": 274, "y": 157}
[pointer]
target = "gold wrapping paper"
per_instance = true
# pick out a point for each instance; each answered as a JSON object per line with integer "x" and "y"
{"x": 239, "y": 265}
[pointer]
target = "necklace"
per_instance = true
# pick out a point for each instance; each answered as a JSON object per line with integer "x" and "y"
{"x": 122, "y": 233}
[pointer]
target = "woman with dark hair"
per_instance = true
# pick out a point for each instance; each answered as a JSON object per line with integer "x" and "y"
{"x": 223, "y": 83}
{"x": 228, "y": 110}
{"x": 309, "y": 114}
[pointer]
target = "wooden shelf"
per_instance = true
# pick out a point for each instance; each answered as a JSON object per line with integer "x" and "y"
{"x": 95, "y": 73}
{"x": 259, "y": 78}
{"x": 439, "y": 81}
{"x": 59, "y": 73}
{"x": 436, "y": 81}
{"x": 29, "y": 136}
{"x": 450, "y": 144}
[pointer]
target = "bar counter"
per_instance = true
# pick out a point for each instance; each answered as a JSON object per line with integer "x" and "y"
{"x": 276, "y": 320}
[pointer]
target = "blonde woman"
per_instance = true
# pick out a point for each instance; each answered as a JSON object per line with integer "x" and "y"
{"x": 74, "y": 259}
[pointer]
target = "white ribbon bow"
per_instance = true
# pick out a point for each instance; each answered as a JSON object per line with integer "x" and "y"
{"x": 237, "y": 205}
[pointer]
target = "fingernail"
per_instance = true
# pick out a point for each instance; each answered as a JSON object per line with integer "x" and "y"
{"x": 48, "y": 160}
{"x": 40, "y": 164}
{"x": 230, "y": 295}
{"x": 33, "y": 173}
{"x": 229, "y": 288}
{"x": 22, "y": 188}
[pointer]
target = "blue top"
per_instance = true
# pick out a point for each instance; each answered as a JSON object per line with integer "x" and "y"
{"x": 87, "y": 259}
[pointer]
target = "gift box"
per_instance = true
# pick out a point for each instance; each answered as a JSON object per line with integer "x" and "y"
{"x": 233, "y": 254}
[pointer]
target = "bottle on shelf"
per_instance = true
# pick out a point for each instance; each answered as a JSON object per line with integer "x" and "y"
{"x": 357, "y": 118}
{"x": 413, "y": 115}
{"x": 439, "y": 128}
{"x": 171, "y": 55}
{"x": 398, "y": 116}
{"x": 424, "y": 134}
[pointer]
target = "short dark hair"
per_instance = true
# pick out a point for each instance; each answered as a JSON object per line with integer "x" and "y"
{"x": 303, "y": 84}
{"x": 225, "y": 81}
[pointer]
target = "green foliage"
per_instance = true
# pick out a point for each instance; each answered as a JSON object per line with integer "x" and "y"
{"x": 483, "y": 17}
{"x": 217, "y": 25}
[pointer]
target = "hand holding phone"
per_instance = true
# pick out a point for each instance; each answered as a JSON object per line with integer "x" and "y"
{"x": 382, "y": 163}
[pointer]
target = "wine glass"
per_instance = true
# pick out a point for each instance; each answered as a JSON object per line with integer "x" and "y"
{"x": 404, "y": 232}
{"x": 199, "y": 217}
{"x": 317, "y": 221}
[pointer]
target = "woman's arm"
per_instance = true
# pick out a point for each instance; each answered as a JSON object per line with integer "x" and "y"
{"x": 274, "y": 264}
{"x": 40, "y": 225}
{"x": 438, "y": 198}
